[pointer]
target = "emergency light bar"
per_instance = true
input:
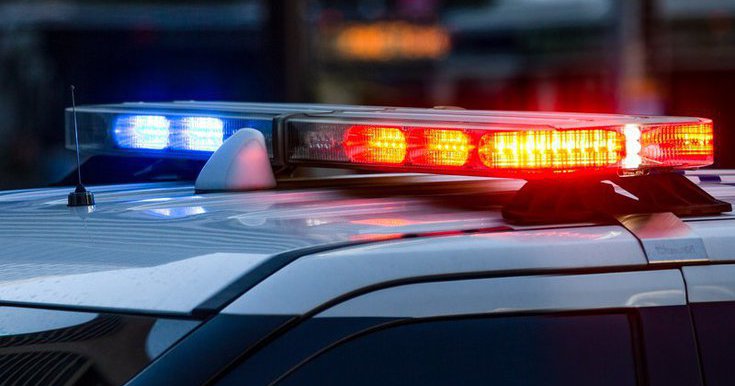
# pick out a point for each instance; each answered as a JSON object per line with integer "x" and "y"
{"x": 486, "y": 143}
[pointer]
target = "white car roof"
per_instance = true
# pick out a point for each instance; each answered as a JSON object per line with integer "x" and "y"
{"x": 160, "y": 248}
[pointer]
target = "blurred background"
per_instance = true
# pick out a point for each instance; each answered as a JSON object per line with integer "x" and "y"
{"x": 673, "y": 57}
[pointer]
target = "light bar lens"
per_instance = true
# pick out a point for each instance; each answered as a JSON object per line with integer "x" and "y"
{"x": 678, "y": 145}
{"x": 176, "y": 134}
{"x": 529, "y": 152}
{"x": 439, "y": 147}
{"x": 546, "y": 149}
{"x": 201, "y": 133}
{"x": 142, "y": 132}
{"x": 157, "y": 132}
{"x": 375, "y": 145}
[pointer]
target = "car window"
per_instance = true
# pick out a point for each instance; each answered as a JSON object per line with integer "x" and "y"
{"x": 531, "y": 350}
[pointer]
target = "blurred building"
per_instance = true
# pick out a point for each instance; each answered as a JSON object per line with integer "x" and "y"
{"x": 118, "y": 51}
{"x": 673, "y": 57}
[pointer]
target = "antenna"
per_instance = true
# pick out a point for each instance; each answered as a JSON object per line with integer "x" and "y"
{"x": 80, "y": 196}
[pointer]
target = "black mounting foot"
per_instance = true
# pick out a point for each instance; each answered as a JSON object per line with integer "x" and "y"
{"x": 569, "y": 200}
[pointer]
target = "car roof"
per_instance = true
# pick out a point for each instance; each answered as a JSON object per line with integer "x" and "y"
{"x": 160, "y": 248}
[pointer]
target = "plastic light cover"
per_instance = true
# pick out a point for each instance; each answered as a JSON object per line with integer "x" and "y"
{"x": 142, "y": 131}
{"x": 202, "y": 133}
{"x": 551, "y": 149}
{"x": 375, "y": 145}
{"x": 159, "y": 133}
{"x": 502, "y": 150}
{"x": 687, "y": 145}
{"x": 438, "y": 147}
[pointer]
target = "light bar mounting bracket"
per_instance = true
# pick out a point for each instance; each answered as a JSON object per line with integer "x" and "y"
{"x": 571, "y": 200}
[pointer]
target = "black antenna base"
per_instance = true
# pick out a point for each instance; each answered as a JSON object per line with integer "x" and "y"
{"x": 80, "y": 197}
{"x": 588, "y": 199}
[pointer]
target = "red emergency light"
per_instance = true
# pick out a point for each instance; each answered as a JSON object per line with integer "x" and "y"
{"x": 597, "y": 154}
{"x": 521, "y": 151}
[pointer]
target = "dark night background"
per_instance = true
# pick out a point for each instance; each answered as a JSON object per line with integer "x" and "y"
{"x": 672, "y": 57}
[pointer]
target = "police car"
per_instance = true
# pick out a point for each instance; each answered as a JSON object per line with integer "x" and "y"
{"x": 451, "y": 247}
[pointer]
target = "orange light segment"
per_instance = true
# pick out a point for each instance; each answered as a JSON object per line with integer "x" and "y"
{"x": 678, "y": 145}
{"x": 552, "y": 149}
{"x": 373, "y": 144}
{"x": 438, "y": 147}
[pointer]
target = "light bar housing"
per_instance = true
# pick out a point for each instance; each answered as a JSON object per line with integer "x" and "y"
{"x": 512, "y": 144}
{"x": 446, "y": 141}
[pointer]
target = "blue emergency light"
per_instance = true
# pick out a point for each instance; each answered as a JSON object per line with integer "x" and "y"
{"x": 142, "y": 132}
{"x": 163, "y": 130}
{"x": 158, "y": 132}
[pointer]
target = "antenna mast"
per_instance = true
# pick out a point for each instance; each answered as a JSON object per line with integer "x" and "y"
{"x": 76, "y": 137}
{"x": 80, "y": 196}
